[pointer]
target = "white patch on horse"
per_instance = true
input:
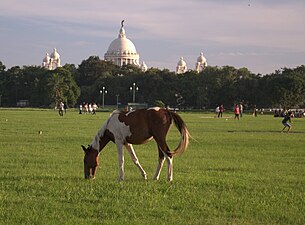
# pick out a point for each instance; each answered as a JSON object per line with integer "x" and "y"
{"x": 119, "y": 129}
{"x": 154, "y": 108}
{"x": 129, "y": 112}
{"x": 95, "y": 144}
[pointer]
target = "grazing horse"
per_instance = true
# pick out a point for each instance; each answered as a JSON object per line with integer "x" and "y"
{"x": 136, "y": 127}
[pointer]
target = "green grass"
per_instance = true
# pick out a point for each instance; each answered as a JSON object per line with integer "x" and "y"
{"x": 234, "y": 172}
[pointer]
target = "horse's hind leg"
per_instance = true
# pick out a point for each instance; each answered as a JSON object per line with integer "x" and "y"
{"x": 169, "y": 160}
{"x": 160, "y": 165}
{"x": 135, "y": 159}
{"x": 164, "y": 152}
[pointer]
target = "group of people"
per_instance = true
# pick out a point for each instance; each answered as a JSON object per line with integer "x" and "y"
{"x": 88, "y": 108}
{"x": 238, "y": 111}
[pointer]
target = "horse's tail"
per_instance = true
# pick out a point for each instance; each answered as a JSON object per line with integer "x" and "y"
{"x": 185, "y": 135}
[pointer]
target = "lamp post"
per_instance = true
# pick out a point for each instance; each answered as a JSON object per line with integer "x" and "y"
{"x": 103, "y": 92}
{"x": 134, "y": 89}
{"x": 117, "y": 100}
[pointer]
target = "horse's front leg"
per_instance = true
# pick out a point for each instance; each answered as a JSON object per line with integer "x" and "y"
{"x": 121, "y": 160}
{"x": 135, "y": 160}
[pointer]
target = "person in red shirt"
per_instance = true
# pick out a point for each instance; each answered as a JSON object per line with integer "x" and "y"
{"x": 236, "y": 111}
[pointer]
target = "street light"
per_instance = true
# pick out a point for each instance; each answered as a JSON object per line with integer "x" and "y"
{"x": 103, "y": 92}
{"x": 134, "y": 89}
{"x": 117, "y": 100}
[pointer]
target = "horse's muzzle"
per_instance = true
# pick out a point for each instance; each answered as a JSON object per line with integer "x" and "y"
{"x": 90, "y": 173}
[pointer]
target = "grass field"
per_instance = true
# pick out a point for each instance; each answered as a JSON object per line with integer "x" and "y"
{"x": 234, "y": 172}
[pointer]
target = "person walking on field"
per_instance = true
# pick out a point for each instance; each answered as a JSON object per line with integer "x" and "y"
{"x": 254, "y": 111}
{"x": 286, "y": 122}
{"x": 241, "y": 109}
{"x": 217, "y": 111}
{"x": 61, "y": 108}
{"x": 236, "y": 111}
{"x": 221, "y": 110}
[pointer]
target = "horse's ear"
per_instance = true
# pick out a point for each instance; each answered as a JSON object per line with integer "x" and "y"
{"x": 84, "y": 148}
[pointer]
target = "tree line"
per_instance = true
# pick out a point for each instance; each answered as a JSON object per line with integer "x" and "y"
{"x": 214, "y": 85}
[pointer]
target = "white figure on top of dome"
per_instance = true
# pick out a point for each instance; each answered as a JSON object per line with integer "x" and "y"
{"x": 201, "y": 63}
{"x": 52, "y": 61}
{"x": 181, "y": 66}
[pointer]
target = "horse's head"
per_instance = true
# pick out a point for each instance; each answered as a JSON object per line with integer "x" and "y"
{"x": 91, "y": 162}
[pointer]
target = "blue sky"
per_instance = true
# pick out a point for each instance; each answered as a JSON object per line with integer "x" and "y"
{"x": 261, "y": 35}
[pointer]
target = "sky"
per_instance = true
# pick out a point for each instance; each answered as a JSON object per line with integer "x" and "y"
{"x": 261, "y": 35}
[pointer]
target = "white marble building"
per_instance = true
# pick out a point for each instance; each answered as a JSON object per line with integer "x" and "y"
{"x": 122, "y": 51}
{"x": 51, "y": 62}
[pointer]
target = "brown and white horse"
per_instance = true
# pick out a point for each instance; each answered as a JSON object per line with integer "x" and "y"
{"x": 136, "y": 127}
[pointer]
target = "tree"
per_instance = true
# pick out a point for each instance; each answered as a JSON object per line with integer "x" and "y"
{"x": 62, "y": 87}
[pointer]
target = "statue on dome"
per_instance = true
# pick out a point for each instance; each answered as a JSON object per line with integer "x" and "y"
{"x": 122, "y": 23}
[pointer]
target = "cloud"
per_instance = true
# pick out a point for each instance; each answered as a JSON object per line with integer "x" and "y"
{"x": 162, "y": 28}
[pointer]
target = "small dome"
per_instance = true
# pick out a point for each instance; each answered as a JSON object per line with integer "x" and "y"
{"x": 55, "y": 54}
{"x": 46, "y": 59}
{"x": 181, "y": 62}
{"x": 201, "y": 58}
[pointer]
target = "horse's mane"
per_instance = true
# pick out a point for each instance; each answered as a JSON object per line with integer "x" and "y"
{"x": 95, "y": 144}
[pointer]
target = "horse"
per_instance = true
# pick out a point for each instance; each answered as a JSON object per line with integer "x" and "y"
{"x": 137, "y": 127}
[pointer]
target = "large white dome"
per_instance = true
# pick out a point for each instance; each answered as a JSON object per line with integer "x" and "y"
{"x": 121, "y": 46}
{"x": 122, "y": 51}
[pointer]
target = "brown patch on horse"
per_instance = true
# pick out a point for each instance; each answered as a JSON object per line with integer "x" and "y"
{"x": 139, "y": 134}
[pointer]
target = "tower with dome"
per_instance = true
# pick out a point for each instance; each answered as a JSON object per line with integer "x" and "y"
{"x": 181, "y": 66}
{"x": 51, "y": 62}
{"x": 122, "y": 51}
{"x": 201, "y": 63}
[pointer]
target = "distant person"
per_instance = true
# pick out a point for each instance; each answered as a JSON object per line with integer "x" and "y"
{"x": 90, "y": 108}
{"x": 221, "y": 110}
{"x": 94, "y": 108}
{"x": 217, "y": 110}
{"x": 61, "y": 108}
{"x": 86, "y": 108}
{"x": 241, "y": 109}
{"x": 236, "y": 111}
{"x": 80, "y": 108}
{"x": 65, "y": 107}
{"x": 286, "y": 122}
{"x": 254, "y": 111}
